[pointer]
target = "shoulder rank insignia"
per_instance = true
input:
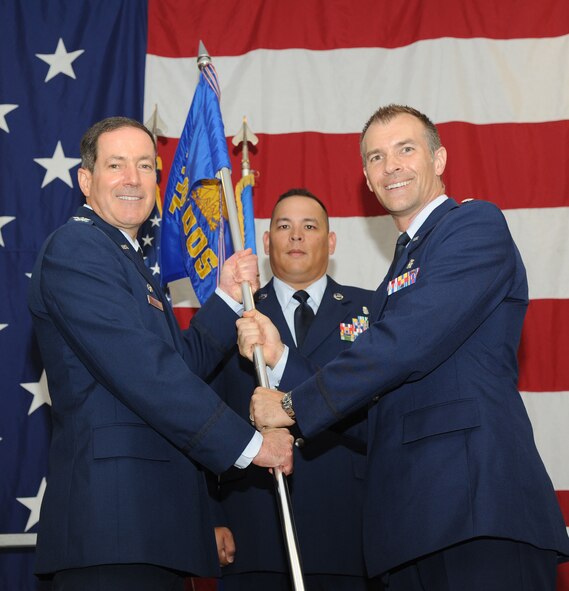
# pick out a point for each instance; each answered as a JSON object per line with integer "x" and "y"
{"x": 402, "y": 281}
{"x": 350, "y": 332}
{"x": 125, "y": 247}
{"x": 78, "y": 218}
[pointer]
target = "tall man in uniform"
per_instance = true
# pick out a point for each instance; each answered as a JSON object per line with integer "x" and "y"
{"x": 457, "y": 497}
{"x": 126, "y": 504}
{"x": 326, "y": 487}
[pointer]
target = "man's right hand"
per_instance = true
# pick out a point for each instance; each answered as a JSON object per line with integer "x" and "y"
{"x": 276, "y": 451}
{"x": 257, "y": 329}
{"x": 225, "y": 545}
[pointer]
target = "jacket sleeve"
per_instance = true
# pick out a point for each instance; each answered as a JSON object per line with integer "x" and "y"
{"x": 468, "y": 267}
{"x": 211, "y": 335}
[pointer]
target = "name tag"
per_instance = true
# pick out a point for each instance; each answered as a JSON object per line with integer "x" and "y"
{"x": 154, "y": 302}
{"x": 402, "y": 281}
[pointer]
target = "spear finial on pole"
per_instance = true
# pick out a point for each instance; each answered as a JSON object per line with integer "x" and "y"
{"x": 155, "y": 124}
{"x": 204, "y": 58}
{"x": 245, "y": 136}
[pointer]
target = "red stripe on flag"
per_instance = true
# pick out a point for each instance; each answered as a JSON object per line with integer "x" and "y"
{"x": 489, "y": 162}
{"x": 235, "y": 27}
{"x": 563, "y": 498}
{"x": 184, "y": 316}
{"x": 544, "y": 347}
{"x": 543, "y": 352}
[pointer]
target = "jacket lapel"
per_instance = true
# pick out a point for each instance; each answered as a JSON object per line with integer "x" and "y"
{"x": 119, "y": 239}
{"x": 380, "y": 296}
{"x": 154, "y": 288}
{"x": 331, "y": 312}
{"x": 268, "y": 304}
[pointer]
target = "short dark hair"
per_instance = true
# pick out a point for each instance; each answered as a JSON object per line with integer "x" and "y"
{"x": 91, "y": 137}
{"x": 301, "y": 192}
{"x": 389, "y": 112}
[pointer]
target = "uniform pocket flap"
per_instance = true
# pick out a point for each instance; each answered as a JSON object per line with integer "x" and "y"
{"x": 131, "y": 441}
{"x": 441, "y": 418}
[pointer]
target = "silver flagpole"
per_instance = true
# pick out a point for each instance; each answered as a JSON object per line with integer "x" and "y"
{"x": 281, "y": 487}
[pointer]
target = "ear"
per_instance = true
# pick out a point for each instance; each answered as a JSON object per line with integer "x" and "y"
{"x": 367, "y": 181}
{"x": 440, "y": 160}
{"x": 266, "y": 242}
{"x": 85, "y": 178}
{"x": 331, "y": 242}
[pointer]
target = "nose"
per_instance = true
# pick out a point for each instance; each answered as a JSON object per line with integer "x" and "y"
{"x": 131, "y": 175}
{"x": 296, "y": 234}
{"x": 391, "y": 164}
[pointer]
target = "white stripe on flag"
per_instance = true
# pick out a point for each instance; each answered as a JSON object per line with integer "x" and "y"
{"x": 450, "y": 79}
{"x": 548, "y": 412}
{"x": 365, "y": 248}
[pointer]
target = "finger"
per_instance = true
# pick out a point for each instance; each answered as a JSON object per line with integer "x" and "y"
{"x": 222, "y": 557}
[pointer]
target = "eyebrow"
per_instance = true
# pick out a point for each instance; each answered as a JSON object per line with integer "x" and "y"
{"x": 287, "y": 219}
{"x": 143, "y": 157}
{"x": 407, "y": 141}
{"x": 399, "y": 144}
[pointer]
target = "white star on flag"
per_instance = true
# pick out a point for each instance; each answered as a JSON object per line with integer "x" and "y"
{"x": 39, "y": 391}
{"x": 57, "y": 167}
{"x": 155, "y": 221}
{"x": 60, "y": 61}
{"x": 34, "y": 505}
{"x": 3, "y": 326}
{"x": 4, "y": 110}
{"x": 147, "y": 240}
{"x": 4, "y": 219}
{"x": 155, "y": 269}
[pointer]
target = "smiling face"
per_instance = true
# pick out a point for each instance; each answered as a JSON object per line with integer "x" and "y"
{"x": 400, "y": 168}
{"x": 121, "y": 188}
{"x": 298, "y": 242}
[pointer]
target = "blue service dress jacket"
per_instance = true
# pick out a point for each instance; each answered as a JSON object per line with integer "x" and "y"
{"x": 451, "y": 453}
{"x": 132, "y": 420}
{"x": 326, "y": 486}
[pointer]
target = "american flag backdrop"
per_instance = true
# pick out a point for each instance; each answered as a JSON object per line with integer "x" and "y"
{"x": 307, "y": 74}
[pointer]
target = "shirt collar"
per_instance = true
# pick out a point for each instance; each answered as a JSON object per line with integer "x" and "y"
{"x": 134, "y": 243}
{"x": 284, "y": 292}
{"x": 424, "y": 214}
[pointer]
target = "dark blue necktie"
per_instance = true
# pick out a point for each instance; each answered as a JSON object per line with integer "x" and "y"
{"x": 303, "y": 316}
{"x": 400, "y": 245}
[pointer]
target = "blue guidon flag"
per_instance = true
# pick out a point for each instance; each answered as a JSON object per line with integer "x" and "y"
{"x": 195, "y": 232}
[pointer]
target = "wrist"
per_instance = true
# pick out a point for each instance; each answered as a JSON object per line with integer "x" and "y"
{"x": 277, "y": 356}
{"x": 286, "y": 404}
